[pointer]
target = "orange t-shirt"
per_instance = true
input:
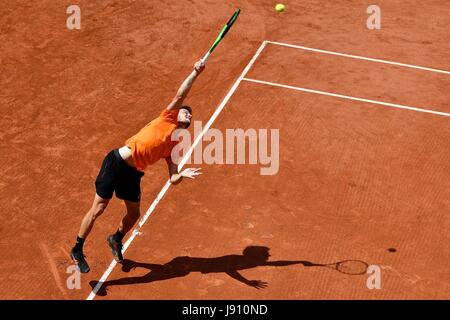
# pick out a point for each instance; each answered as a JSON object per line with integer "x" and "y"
{"x": 153, "y": 142}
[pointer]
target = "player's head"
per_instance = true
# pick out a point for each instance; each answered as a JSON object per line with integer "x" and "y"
{"x": 258, "y": 253}
{"x": 184, "y": 117}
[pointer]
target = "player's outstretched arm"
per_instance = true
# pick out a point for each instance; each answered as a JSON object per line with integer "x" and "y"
{"x": 182, "y": 92}
{"x": 283, "y": 263}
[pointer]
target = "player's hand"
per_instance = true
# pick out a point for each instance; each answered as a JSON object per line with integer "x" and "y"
{"x": 199, "y": 66}
{"x": 190, "y": 173}
{"x": 258, "y": 284}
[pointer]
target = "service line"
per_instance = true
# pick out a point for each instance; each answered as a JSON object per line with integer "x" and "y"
{"x": 387, "y": 104}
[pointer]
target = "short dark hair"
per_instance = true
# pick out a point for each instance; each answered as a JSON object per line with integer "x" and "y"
{"x": 187, "y": 108}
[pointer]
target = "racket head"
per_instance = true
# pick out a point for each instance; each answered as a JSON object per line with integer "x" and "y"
{"x": 351, "y": 267}
{"x": 225, "y": 30}
{"x": 231, "y": 21}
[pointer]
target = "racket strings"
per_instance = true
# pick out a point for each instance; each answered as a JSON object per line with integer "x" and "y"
{"x": 354, "y": 267}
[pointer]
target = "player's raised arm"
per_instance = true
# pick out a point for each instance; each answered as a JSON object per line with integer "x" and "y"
{"x": 182, "y": 92}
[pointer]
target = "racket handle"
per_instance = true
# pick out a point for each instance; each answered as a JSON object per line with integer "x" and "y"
{"x": 205, "y": 58}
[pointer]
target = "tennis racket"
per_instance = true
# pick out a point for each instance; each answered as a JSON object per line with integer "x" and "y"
{"x": 222, "y": 34}
{"x": 351, "y": 267}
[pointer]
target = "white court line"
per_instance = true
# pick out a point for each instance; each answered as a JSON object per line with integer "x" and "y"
{"x": 359, "y": 57}
{"x": 393, "y": 105}
{"x": 182, "y": 163}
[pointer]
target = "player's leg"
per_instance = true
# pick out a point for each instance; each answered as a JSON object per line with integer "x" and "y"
{"x": 128, "y": 189}
{"x": 126, "y": 224}
{"x": 98, "y": 207}
{"x": 105, "y": 184}
{"x": 132, "y": 216}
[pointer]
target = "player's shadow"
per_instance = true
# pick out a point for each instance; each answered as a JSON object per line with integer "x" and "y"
{"x": 252, "y": 256}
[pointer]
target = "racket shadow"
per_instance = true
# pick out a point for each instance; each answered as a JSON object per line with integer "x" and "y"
{"x": 350, "y": 267}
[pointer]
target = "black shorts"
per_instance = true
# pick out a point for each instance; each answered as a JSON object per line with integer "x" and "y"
{"x": 117, "y": 175}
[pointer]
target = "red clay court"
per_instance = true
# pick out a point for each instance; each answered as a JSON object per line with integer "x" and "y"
{"x": 364, "y": 150}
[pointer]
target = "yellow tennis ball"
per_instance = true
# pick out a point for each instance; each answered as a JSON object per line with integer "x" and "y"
{"x": 280, "y": 7}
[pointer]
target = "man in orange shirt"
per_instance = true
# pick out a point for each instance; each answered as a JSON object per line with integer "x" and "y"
{"x": 122, "y": 170}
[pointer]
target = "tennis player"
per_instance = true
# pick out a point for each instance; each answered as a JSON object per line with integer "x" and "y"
{"x": 122, "y": 170}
